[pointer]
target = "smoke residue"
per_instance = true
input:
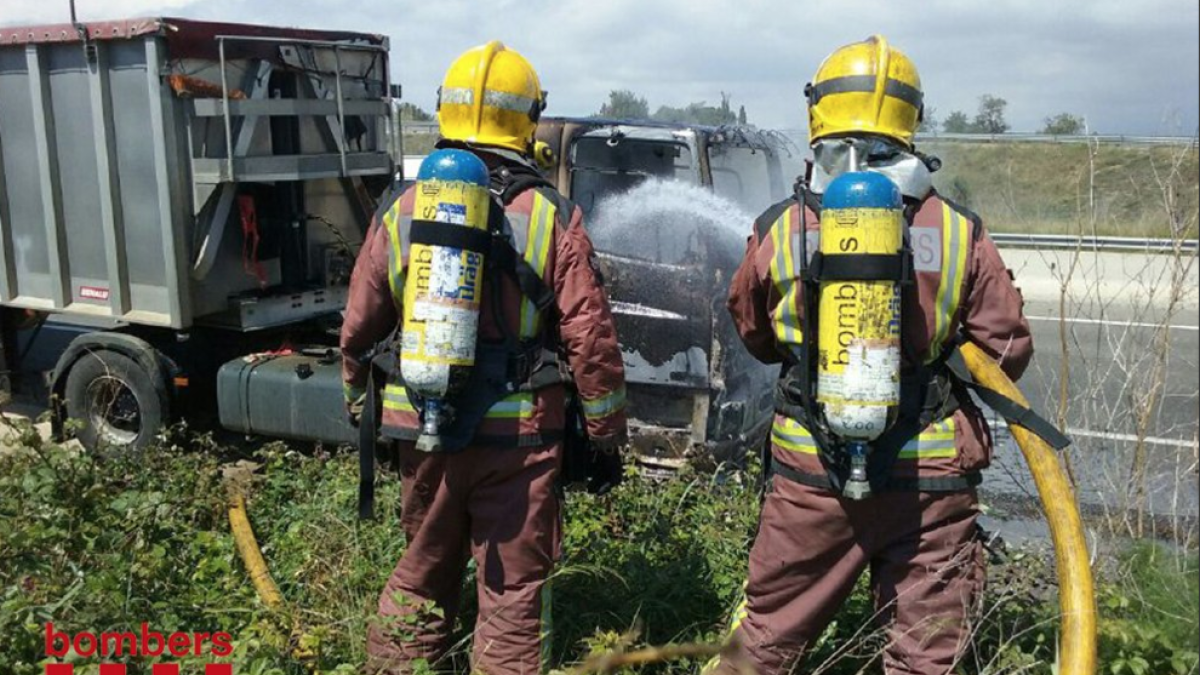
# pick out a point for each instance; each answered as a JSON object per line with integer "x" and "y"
{"x": 671, "y": 222}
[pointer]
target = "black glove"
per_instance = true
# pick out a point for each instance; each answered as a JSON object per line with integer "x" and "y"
{"x": 605, "y": 469}
{"x": 607, "y": 472}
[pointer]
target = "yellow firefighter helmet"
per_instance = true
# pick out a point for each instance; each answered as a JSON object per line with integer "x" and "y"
{"x": 865, "y": 87}
{"x": 491, "y": 96}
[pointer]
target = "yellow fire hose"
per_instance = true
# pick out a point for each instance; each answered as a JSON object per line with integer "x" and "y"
{"x": 260, "y": 576}
{"x": 1076, "y": 592}
{"x": 247, "y": 547}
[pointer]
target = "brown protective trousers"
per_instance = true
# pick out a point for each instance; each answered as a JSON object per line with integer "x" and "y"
{"x": 925, "y": 560}
{"x": 497, "y": 505}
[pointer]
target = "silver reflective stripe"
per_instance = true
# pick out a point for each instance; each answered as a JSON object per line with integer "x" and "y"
{"x": 520, "y": 230}
{"x": 951, "y": 279}
{"x": 405, "y": 228}
{"x": 397, "y": 229}
{"x": 457, "y": 96}
{"x": 537, "y": 247}
{"x": 507, "y": 101}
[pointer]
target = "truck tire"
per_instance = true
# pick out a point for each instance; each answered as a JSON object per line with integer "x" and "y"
{"x": 116, "y": 401}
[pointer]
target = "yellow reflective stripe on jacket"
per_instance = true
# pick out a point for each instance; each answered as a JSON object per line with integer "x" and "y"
{"x": 956, "y": 240}
{"x": 784, "y": 273}
{"x": 516, "y": 406}
{"x": 936, "y": 442}
{"x": 397, "y": 230}
{"x": 395, "y": 397}
{"x": 540, "y": 238}
{"x": 605, "y": 405}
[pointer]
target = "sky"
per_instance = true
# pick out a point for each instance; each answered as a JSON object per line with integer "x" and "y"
{"x": 1126, "y": 67}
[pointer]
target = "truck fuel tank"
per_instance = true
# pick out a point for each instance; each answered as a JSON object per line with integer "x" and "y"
{"x": 295, "y": 395}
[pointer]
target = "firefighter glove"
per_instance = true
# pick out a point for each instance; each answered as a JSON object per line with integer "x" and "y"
{"x": 607, "y": 468}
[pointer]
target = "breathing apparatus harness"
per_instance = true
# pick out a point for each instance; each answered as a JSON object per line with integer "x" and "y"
{"x": 929, "y": 392}
{"x": 501, "y": 368}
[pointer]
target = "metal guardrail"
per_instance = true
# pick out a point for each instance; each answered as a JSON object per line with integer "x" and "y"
{"x": 1066, "y": 241}
{"x": 411, "y": 127}
{"x": 1013, "y": 137}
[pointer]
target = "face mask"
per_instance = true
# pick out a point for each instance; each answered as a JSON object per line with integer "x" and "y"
{"x": 831, "y": 158}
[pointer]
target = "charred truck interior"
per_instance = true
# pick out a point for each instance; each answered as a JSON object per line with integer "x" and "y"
{"x": 669, "y": 208}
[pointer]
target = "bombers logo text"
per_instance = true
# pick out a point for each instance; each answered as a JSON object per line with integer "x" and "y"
{"x": 143, "y": 642}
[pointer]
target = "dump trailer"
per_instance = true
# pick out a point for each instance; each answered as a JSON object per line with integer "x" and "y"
{"x": 694, "y": 392}
{"x": 189, "y": 197}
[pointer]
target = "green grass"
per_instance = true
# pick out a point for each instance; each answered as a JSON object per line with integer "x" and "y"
{"x": 95, "y": 545}
{"x": 1072, "y": 188}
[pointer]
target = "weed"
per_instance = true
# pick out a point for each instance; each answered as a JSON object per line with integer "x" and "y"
{"x": 95, "y": 544}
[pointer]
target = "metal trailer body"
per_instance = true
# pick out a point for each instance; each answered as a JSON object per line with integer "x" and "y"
{"x": 694, "y": 391}
{"x": 197, "y": 189}
{"x": 123, "y": 147}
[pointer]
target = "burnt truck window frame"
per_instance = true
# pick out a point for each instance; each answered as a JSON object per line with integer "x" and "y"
{"x": 753, "y": 191}
{"x": 627, "y": 174}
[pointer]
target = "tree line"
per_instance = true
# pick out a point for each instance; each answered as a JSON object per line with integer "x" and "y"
{"x": 989, "y": 119}
{"x": 625, "y": 104}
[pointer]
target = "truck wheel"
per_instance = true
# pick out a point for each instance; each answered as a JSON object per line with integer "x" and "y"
{"x": 116, "y": 400}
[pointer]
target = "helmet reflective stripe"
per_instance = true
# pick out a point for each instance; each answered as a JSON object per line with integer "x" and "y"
{"x": 867, "y": 87}
{"x": 956, "y": 236}
{"x": 936, "y": 442}
{"x": 865, "y": 84}
{"x": 456, "y": 96}
{"x": 491, "y": 96}
{"x": 493, "y": 99}
{"x": 535, "y": 248}
{"x": 784, "y": 272}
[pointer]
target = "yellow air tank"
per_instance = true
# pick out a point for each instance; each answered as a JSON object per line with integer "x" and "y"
{"x": 443, "y": 284}
{"x": 858, "y": 341}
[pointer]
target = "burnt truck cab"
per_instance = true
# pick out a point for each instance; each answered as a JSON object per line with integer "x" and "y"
{"x": 667, "y": 258}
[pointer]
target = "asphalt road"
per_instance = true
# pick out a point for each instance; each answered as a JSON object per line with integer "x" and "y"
{"x": 1127, "y": 351}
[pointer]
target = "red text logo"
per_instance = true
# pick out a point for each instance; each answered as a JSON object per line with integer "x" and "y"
{"x": 143, "y": 642}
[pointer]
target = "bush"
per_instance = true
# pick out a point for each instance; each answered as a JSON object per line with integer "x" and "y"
{"x": 99, "y": 545}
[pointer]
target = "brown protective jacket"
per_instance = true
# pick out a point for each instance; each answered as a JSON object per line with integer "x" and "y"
{"x": 548, "y": 231}
{"x": 961, "y": 287}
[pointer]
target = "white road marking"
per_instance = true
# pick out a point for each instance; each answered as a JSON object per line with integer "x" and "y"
{"x": 1151, "y": 440}
{"x": 1104, "y": 322}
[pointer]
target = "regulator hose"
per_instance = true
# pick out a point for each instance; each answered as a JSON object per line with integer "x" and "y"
{"x": 1076, "y": 591}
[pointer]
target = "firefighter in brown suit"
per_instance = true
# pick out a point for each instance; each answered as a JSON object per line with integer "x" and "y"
{"x": 917, "y": 531}
{"x": 493, "y": 500}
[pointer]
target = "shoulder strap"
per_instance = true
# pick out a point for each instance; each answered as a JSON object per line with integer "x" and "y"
{"x": 1007, "y": 408}
{"x": 509, "y": 181}
{"x": 506, "y": 257}
{"x": 976, "y": 221}
{"x": 387, "y": 203}
{"x": 762, "y": 224}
